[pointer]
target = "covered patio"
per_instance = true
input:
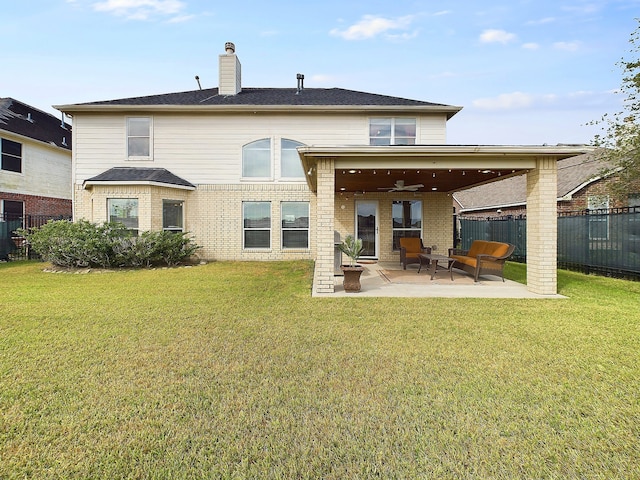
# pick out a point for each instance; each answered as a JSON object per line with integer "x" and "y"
{"x": 388, "y": 279}
{"x": 334, "y": 173}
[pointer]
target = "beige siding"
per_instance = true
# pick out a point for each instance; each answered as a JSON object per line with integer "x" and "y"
{"x": 207, "y": 149}
{"x": 46, "y": 171}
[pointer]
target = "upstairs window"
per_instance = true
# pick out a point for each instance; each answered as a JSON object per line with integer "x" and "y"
{"x": 290, "y": 165}
{"x": 392, "y": 131}
{"x": 139, "y": 138}
{"x": 256, "y": 159}
{"x": 11, "y": 155}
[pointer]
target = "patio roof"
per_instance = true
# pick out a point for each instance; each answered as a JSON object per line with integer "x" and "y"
{"x": 441, "y": 168}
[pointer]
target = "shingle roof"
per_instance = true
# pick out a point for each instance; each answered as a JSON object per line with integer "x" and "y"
{"x": 22, "y": 119}
{"x": 137, "y": 174}
{"x": 332, "y": 97}
{"x": 572, "y": 173}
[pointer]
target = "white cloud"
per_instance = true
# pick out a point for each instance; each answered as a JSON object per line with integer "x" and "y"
{"x": 567, "y": 46}
{"x": 541, "y": 21}
{"x": 530, "y": 46}
{"x": 140, "y": 9}
{"x": 497, "y": 36}
{"x": 371, "y": 26}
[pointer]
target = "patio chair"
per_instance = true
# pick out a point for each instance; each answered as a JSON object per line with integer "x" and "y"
{"x": 410, "y": 247}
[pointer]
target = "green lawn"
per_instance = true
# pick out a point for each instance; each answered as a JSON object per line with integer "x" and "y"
{"x": 232, "y": 370}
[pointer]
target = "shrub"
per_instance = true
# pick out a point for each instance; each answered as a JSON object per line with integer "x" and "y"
{"x": 83, "y": 244}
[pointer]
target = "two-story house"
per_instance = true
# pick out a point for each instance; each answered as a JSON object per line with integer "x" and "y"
{"x": 273, "y": 173}
{"x": 35, "y": 172}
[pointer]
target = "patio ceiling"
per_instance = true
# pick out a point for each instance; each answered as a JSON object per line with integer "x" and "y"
{"x": 433, "y": 180}
{"x": 440, "y": 168}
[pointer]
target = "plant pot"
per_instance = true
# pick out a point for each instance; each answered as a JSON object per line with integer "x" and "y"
{"x": 351, "y": 280}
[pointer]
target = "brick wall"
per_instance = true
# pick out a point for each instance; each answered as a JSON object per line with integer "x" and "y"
{"x": 37, "y": 205}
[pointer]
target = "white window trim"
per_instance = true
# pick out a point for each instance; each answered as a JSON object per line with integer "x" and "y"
{"x": 168, "y": 229}
{"x": 136, "y": 158}
{"x": 135, "y": 230}
{"x": 283, "y": 229}
{"x": 280, "y": 165}
{"x": 269, "y": 229}
{"x": 270, "y": 177}
{"x": 392, "y": 138}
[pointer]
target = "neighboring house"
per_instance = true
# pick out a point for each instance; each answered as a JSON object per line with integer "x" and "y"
{"x": 581, "y": 186}
{"x": 273, "y": 173}
{"x": 35, "y": 174}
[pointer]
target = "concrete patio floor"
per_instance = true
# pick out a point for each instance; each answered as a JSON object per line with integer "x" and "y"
{"x": 388, "y": 279}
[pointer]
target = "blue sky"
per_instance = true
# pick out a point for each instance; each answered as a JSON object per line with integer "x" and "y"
{"x": 526, "y": 72}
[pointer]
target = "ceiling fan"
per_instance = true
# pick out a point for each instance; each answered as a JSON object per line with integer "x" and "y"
{"x": 399, "y": 186}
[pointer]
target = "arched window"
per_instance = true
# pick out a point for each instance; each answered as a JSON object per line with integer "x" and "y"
{"x": 256, "y": 159}
{"x": 290, "y": 165}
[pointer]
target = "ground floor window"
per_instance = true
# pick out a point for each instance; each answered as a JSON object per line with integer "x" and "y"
{"x": 295, "y": 224}
{"x": 11, "y": 209}
{"x": 125, "y": 211}
{"x": 256, "y": 223}
{"x": 407, "y": 220}
{"x": 172, "y": 219}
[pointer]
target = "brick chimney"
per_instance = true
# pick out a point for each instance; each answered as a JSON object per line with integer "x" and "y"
{"x": 229, "y": 71}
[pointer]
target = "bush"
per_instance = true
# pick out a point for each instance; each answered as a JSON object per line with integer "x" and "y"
{"x": 84, "y": 244}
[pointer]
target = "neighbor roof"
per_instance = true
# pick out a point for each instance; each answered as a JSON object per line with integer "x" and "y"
{"x": 311, "y": 98}
{"x": 573, "y": 174}
{"x": 22, "y": 119}
{"x": 138, "y": 175}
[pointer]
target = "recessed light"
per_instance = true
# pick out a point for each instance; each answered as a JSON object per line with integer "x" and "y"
{"x": 352, "y": 171}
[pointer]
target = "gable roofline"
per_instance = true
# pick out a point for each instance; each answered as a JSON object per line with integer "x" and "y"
{"x": 569, "y": 195}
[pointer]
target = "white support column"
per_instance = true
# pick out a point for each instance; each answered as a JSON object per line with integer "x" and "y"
{"x": 542, "y": 227}
{"x": 324, "y": 281}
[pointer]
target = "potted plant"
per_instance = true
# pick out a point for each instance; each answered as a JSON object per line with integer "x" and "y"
{"x": 352, "y": 248}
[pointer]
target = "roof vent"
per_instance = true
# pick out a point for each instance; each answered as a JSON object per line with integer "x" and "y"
{"x": 300, "y": 78}
{"x": 29, "y": 118}
{"x": 64, "y": 141}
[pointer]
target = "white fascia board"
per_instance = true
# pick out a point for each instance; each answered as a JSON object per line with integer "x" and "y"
{"x": 290, "y": 109}
{"x": 89, "y": 183}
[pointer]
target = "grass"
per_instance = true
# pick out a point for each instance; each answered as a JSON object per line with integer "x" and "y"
{"x": 232, "y": 370}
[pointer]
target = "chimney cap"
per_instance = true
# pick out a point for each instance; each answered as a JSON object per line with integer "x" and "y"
{"x": 230, "y": 48}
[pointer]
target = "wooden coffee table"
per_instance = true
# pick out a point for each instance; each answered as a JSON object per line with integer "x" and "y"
{"x": 433, "y": 261}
